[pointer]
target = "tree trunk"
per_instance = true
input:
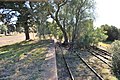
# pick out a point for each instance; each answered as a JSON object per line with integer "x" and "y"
{"x": 63, "y": 31}
{"x": 27, "y": 33}
{"x": 65, "y": 37}
{"x": 58, "y": 23}
{"x": 5, "y": 33}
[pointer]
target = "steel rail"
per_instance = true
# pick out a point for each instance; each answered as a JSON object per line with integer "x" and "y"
{"x": 94, "y": 71}
{"x": 67, "y": 66}
{"x": 101, "y": 55}
{"x": 100, "y": 59}
{"x": 103, "y": 51}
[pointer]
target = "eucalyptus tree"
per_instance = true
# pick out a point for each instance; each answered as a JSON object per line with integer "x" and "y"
{"x": 40, "y": 14}
{"x": 25, "y": 18}
{"x": 83, "y": 10}
{"x": 67, "y": 14}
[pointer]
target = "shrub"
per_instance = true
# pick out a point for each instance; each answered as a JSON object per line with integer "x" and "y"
{"x": 115, "y": 49}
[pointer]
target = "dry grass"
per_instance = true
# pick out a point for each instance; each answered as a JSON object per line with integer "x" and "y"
{"x": 104, "y": 45}
{"x": 23, "y": 61}
{"x": 8, "y": 40}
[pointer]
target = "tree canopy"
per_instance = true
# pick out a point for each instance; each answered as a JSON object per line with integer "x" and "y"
{"x": 112, "y": 32}
{"x": 72, "y": 19}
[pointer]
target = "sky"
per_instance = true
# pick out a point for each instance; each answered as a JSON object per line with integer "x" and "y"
{"x": 107, "y": 12}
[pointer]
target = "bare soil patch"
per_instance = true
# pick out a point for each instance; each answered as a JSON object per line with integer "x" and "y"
{"x": 7, "y": 40}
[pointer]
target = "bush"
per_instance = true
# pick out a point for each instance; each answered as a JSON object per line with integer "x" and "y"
{"x": 93, "y": 36}
{"x": 115, "y": 49}
{"x": 112, "y": 32}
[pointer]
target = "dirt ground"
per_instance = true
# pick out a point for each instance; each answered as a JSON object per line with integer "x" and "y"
{"x": 25, "y": 60}
{"x": 7, "y": 40}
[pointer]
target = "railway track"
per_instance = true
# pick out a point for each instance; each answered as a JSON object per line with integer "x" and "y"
{"x": 99, "y": 76}
{"x": 71, "y": 77}
{"x": 86, "y": 64}
{"x": 93, "y": 53}
{"x": 68, "y": 67}
{"x": 102, "y": 55}
{"x": 101, "y": 51}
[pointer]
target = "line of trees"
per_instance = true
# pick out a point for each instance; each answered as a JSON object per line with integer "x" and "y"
{"x": 72, "y": 19}
{"x": 112, "y": 32}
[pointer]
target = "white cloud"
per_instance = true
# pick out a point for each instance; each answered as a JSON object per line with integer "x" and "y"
{"x": 108, "y": 12}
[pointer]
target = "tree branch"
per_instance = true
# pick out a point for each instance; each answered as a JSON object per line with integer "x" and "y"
{"x": 63, "y": 3}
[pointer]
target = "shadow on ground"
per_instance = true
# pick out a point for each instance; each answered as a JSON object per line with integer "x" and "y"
{"x": 22, "y": 61}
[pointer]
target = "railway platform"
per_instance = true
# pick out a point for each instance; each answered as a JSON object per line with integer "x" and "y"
{"x": 50, "y": 68}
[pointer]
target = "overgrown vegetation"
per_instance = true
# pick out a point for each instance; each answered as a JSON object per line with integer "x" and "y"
{"x": 115, "y": 50}
{"x": 72, "y": 20}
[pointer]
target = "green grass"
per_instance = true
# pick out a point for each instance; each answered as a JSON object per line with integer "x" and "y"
{"x": 14, "y": 51}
